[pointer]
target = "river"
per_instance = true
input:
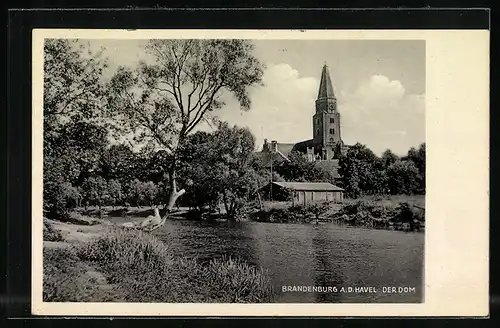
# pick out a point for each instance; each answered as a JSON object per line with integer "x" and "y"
{"x": 312, "y": 255}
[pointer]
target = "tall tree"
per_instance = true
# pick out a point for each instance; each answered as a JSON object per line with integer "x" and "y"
{"x": 73, "y": 88}
{"x": 388, "y": 158}
{"x": 115, "y": 191}
{"x": 119, "y": 162}
{"x": 402, "y": 177}
{"x": 72, "y": 95}
{"x": 360, "y": 171}
{"x": 219, "y": 165}
{"x": 161, "y": 103}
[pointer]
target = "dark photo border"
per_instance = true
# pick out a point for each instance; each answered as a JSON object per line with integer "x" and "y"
{"x": 16, "y": 121}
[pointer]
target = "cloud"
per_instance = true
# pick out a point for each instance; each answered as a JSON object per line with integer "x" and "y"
{"x": 378, "y": 113}
{"x": 281, "y": 110}
{"x": 381, "y": 115}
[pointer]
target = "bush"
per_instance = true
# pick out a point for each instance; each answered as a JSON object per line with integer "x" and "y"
{"x": 49, "y": 233}
{"x": 125, "y": 250}
{"x": 232, "y": 281}
{"x": 59, "y": 199}
{"x": 371, "y": 213}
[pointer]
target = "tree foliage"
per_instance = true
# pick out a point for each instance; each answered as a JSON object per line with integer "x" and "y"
{"x": 402, "y": 177}
{"x": 299, "y": 169}
{"x": 73, "y": 89}
{"x": 73, "y": 93}
{"x": 363, "y": 172}
{"x": 218, "y": 168}
{"x": 162, "y": 102}
{"x": 95, "y": 190}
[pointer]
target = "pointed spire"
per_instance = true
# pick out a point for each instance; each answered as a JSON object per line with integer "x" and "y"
{"x": 325, "y": 86}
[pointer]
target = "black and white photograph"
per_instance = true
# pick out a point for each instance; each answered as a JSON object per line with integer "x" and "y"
{"x": 235, "y": 170}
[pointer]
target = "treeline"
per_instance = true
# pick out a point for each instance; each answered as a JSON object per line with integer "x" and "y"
{"x": 361, "y": 171}
{"x": 217, "y": 169}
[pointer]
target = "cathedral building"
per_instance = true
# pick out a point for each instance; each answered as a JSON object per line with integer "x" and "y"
{"x": 326, "y": 144}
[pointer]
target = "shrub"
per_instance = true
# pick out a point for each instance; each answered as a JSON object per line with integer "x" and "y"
{"x": 125, "y": 250}
{"x": 49, "y": 233}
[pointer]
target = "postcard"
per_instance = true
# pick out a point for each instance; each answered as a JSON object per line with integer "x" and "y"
{"x": 257, "y": 173}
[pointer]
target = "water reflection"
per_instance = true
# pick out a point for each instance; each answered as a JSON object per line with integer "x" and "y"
{"x": 326, "y": 274}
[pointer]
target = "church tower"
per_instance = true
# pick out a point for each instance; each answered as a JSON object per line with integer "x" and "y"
{"x": 326, "y": 121}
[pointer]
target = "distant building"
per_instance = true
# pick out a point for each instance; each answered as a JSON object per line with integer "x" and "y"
{"x": 301, "y": 193}
{"x": 326, "y": 145}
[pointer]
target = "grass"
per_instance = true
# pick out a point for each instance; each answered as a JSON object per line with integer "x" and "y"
{"x": 137, "y": 267}
{"x": 68, "y": 279}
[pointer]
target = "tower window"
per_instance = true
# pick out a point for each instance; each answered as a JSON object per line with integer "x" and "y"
{"x": 332, "y": 131}
{"x": 317, "y": 132}
{"x": 332, "y": 120}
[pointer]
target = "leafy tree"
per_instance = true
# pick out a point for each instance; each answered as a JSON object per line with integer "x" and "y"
{"x": 95, "y": 189}
{"x": 119, "y": 162}
{"x": 163, "y": 102}
{"x": 301, "y": 170}
{"x": 63, "y": 196}
{"x": 72, "y": 94}
{"x": 388, "y": 158}
{"x": 238, "y": 186}
{"x": 150, "y": 191}
{"x": 218, "y": 167}
{"x": 84, "y": 143}
{"x": 142, "y": 193}
{"x": 115, "y": 191}
{"x": 360, "y": 171}
{"x": 135, "y": 192}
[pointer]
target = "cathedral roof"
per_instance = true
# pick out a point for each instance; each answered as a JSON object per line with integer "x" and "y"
{"x": 331, "y": 166}
{"x": 325, "y": 86}
{"x": 303, "y": 145}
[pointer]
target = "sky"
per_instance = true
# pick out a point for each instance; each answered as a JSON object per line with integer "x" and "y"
{"x": 379, "y": 85}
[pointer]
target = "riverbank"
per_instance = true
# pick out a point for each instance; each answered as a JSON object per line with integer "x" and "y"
{"x": 406, "y": 213}
{"x": 390, "y": 212}
{"x": 102, "y": 262}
